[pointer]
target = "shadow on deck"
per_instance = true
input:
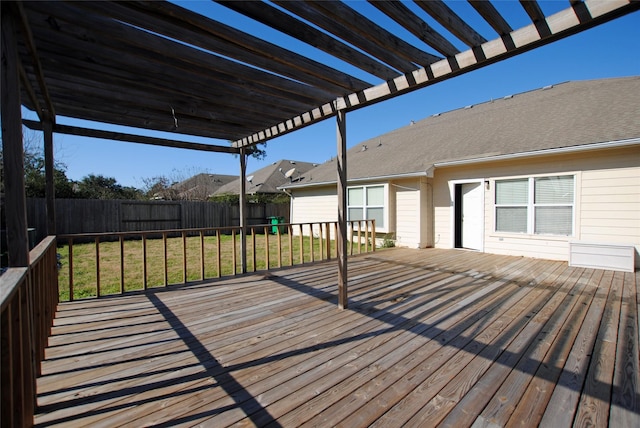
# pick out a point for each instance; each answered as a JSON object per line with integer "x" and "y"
{"x": 431, "y": 337}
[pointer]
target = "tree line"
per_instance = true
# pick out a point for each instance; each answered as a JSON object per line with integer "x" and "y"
{"x": 96, "y": 186}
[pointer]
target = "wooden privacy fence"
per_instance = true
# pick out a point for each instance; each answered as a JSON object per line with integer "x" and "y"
{"x": 115, "y": 263}
{"x": 29, "y": 297}
{"x": 100, "y": 216}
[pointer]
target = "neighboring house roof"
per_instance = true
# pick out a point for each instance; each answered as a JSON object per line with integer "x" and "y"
{"x": 568, "y": 114}
{"x": 201, "y": 186}
{"x": 269, "y": 178}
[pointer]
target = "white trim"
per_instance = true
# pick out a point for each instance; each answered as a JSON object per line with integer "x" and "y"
{"x": 355, "y": 181}
{"x": 544, "y": 152}
{"x": 385, "y": 207}
{"x": 531, "y": 206}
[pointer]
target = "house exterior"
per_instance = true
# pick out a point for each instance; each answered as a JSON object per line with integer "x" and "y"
{"x": 197, "y": 188}
{"x": 268, "y": 179}
{"x": 539, "y": 174}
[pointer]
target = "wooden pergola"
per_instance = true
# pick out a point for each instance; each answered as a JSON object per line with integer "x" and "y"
{"x": 162, "y": 67}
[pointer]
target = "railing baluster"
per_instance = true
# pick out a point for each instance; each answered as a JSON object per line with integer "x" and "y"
{"x": 144, "y": 261}
{"x": 164, "y": 258}
{"x": 202, "y": 255}
{"x": 366, "y": 236}
{"x": 121, "y": 242}
{"x": 373, "y": 235}
{"x": 335, "y": 237}
{"x": 301, "y": 245}
{"x": 233, "y": 257}
{"x": 26, "y": 311}
{"x": 266, "y": 247}
{"x": 218, "y": 254}
{"x": 97, "y": 266}
{"x": 351, "y": 238}
{"x": 279, "y": 246}
{"x": 290, "y": 232}
{"x": 253, "y": 247}
{"x": 328, "y": 239}
{"x": 320, "y": 246}
{"x": 184, "y": 257}
{"x": 311, "y": 241}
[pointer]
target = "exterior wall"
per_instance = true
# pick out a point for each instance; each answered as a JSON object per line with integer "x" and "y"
{"x": 607, "y": 201}
{"x": 407, "y": 215}
{"x": 412, "y": 212}
{"x": 316, "y": 204}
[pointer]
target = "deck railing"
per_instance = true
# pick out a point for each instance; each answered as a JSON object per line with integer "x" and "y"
{"x": 115, "y": 263}
{"x": 29, "y": 297}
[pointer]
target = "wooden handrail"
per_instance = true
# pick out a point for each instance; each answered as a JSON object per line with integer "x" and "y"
{"x": 29, "y": 297}
{"x": 317, "y": 247}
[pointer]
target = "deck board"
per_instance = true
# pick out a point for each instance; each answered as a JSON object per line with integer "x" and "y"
{"x": 431, "y": 337}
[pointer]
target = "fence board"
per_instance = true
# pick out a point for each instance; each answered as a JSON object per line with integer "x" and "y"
{"x": 100, "y": 216}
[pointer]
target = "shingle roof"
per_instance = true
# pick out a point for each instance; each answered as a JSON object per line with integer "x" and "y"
{"x": 564, "y": 115}
{"x": 269, "y": 178}
{"x": 201, "y": 186}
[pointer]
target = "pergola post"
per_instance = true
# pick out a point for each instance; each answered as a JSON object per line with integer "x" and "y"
{"x": 243, "y": 210}
{"x": 342, "y": 208}
{"x": 49, "y": 171}
{"x": 13, "y": 150}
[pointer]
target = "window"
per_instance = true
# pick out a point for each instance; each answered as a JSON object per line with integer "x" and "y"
{"x": 535, "y": 205}
{"x": 366, "y": 202}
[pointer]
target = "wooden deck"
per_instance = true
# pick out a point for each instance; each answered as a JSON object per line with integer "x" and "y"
{"x": 431, "y": 338}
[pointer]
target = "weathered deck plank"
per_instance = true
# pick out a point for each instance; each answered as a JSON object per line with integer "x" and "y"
{"x": 431, "y": 337}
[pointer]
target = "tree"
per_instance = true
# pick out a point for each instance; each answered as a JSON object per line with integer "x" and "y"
{"x": 35, "y": 178}
{"x": 34, "y": 170}
{"x": 100, "y": 187}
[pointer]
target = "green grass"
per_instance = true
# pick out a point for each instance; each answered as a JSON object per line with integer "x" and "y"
{"x": 84, "y": 261}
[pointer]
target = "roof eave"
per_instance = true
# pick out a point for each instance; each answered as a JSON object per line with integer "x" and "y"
{"x": 544, "y": 152}
{"x": 427, "y": 173}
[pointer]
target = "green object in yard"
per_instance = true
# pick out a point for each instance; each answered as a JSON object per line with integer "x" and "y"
{"x": 274, "y": 221}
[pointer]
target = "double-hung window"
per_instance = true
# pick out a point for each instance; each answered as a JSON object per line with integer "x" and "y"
{"x": 535, "y": 205}
{"x": 366, "y": 202}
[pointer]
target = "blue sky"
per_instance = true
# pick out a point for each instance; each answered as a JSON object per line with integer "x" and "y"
{"x": 606, "y": 51}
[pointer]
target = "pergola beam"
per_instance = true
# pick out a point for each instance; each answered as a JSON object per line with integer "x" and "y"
{"x": 28, "y": 39}
{"x": 268, "y": 15}
{"x": 415, "y": 25}
{"x": 452, "y": 22}
{"x": 131, "y": 138}
{"x": 349, "y": 23}
{"x": 492, "y": 16}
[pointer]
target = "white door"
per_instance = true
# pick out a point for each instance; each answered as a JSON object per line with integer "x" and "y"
{"x": 472, "y": 206}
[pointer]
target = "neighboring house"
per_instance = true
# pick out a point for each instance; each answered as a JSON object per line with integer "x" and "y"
{"x": 269, "y": 178}
{"x": 200, "y": 187}
{"x": 525, "y": 175}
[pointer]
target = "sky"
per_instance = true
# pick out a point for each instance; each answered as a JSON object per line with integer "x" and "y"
{"x": 606, "y": 51}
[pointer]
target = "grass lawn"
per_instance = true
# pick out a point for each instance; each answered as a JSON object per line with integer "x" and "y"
{"x": 84, "y": 261}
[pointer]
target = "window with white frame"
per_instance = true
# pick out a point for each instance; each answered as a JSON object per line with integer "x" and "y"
{"x": 535, "y": 205}
{"x": 366, "y": 202}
